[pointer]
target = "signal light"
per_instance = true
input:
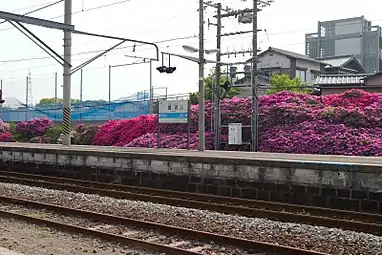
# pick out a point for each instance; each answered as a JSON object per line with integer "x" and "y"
{"x": 162, "y": 69}
{"x": 170, "y": 69}
{"x": 165, "y": 69}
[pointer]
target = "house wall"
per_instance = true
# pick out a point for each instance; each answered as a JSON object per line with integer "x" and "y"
{"x": 270, "y": 60}
{"x": 374, "y": 81}
{"x": 247, "y": 91}
{"x": 309, "y": 67}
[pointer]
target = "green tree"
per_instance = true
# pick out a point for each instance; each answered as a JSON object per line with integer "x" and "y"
{"x": 52, "y": 100}
{"x": 282, "y": 82}
{"x": 209, "y": 82}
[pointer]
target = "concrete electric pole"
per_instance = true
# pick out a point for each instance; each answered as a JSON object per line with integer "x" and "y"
{"x": 255, "y": 103}
{"x": 67, "y": 121}
{"x": 201, "y": 121}
{"x": 217, "y": 117}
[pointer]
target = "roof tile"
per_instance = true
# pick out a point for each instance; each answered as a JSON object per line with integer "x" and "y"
{"x": 340, "y": 79}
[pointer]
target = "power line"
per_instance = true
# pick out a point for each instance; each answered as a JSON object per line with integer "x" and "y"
{"x": 81, "y": 11}
{"x": 38, "y": 9}
{"x": 89, "y": 52}
{"x": 32, "y": 6}
{"x": 169, "y": 40}
{"x": 98, "y": 51}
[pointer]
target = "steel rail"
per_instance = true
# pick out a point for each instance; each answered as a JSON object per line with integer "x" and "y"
{"x": 221, "y": 239}
{"x": 278, "y": 215}
{"x": 103, "y": 235}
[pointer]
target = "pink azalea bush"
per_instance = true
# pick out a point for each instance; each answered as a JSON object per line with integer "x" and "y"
{"x": 33, "y": 128}
{"x": 4, "y": 127}
{"x": 121, "y": 132}
{"x": 345, "y": 124}
{"x": 172, "y": 141}
{"x": 40, "y": 139}
{"x": 321, "y": 137}
{"x": 5, "y": 135}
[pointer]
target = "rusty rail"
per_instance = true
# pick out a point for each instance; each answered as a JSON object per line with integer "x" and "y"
{"x": 226, "y": 240}
{"x": 105, "y": 236}
{"x": 313, "y": 215}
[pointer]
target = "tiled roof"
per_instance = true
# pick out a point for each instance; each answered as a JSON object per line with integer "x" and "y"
{"x": 294, "y": 55}
{"x": 290, "y": 54}
{"x": 340, "y": 79}
{"x": 337, "y": 61}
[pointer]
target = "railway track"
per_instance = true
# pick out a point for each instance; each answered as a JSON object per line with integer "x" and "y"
{"x": 147, "y": 235}
{"x": 361, "y": 222}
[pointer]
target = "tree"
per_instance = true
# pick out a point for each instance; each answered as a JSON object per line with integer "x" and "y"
{"x": 52, "y": 100}
{"x": 282, "y": 82}
{"x": 209, "y": 82}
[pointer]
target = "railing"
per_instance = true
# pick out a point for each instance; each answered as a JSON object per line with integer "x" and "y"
{"x": 86, "y": 111}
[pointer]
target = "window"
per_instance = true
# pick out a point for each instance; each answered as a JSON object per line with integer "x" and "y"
{"x": 313, "y": 75}
{"x": 301, "y": 74}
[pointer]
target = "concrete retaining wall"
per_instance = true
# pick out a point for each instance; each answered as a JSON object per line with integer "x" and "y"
{"x": 353, "y": 183}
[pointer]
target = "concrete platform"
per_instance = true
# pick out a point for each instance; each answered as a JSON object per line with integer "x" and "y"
{"x": 217, "y": 155}
{"x": 5, "y": 251}
{"x": 342, "y": 182}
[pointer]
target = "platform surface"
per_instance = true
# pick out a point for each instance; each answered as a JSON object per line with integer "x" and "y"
{"x": 5, "y": 251}
{"x": 235, "y": 155}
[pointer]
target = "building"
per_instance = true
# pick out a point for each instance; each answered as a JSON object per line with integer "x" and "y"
{"x": 354, "y": 36}
{"x": 338, "y": 83}
{"x": 344, "y": 64}
{"x": 278, "y": 61}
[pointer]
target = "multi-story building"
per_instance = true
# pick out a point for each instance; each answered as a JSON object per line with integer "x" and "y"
{"x": 353, "y": 36}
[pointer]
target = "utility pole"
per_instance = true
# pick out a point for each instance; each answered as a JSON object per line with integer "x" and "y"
{"x": 201, "y": 122}
{"x": 217, "y": 89}
{"x": 55, "y": 96}
{"x": 217, "y": 117}
{"x": 26, "y": 97}
{"x": 67, "y": 118}
{"x": 255, "y": 103}
{"x": 243, "y": 17}
{"x": 81, "y": 93}
{"x": 151, "y": 88}
{"x": 109, "y": 92}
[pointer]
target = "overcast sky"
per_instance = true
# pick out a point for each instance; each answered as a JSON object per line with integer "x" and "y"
{"x": 286, "y": 23}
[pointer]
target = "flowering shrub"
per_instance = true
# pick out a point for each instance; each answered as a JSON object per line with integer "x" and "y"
{"x": 84, "y": 135}
{"x": 122, "y": 132}
{"x": 40, "y": 139}
{"x": 320, "y": 137}
{"x": 349, "y": 124}
{"x": 6, "y": 137}
{"x": 33, "y": 128}
{"x": 172, "y": 141}
{"x": 4, "y": 127}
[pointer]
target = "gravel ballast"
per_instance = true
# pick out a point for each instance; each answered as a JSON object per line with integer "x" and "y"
{"x": 328, "y": 240}
{"x": 31, "y": 239}
{"x": 125, "y": 230}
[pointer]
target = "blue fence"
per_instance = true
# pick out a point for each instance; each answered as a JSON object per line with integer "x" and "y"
{"x": 87, "y": 111}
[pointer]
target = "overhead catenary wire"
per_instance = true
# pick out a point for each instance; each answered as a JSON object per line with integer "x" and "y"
{"x": 126, "y": 47}
{"x": 80, "y": 11}
{"x": 33, "y": 6}
{"x": 169, "y": 40}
